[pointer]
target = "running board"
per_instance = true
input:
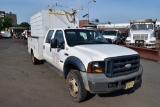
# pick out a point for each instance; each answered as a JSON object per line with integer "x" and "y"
{"x": 54, "y": 69}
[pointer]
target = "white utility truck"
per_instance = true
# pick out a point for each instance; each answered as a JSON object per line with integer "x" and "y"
{"x": 111, "y": 34}
{"x": 81, "y": 56}
{"x": 142, "y": 32}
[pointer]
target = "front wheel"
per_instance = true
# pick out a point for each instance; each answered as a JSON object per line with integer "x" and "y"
{"x": 76, "y": 86}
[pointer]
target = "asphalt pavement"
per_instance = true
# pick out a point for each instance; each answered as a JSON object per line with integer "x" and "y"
{"x": 23, "y": 84}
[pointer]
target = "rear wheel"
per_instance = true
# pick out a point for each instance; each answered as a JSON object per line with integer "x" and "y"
{"x": 76, "y": 86}
{"x": 34, "y": 60}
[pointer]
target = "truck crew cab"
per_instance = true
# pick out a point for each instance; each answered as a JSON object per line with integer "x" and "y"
{"x": 86, "y": 60}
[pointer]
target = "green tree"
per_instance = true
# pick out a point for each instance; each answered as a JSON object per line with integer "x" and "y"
{"x": 24, "y": 24}
{"x": 5, "y": 22}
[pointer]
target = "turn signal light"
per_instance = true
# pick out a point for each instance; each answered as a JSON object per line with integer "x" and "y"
{"x": 97, "y": 71}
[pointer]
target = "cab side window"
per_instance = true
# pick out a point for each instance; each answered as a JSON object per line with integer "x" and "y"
{"x": 49, "y": 36}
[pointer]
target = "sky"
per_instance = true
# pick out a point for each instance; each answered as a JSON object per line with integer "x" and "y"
{"x": 114, "y": 11}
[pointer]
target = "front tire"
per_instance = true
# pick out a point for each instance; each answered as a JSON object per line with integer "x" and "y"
{"x": 76, "y": 86}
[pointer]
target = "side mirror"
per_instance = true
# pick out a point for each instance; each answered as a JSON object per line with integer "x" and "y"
{"x": 53, "y": 43}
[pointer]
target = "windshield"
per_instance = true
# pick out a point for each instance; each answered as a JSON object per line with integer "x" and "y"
{"x": 142, "y": 27}
{"x": 110, "y": 33}
{"x": 83, "y": 37}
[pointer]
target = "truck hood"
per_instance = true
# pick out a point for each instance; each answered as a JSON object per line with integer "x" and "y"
{"x": 102, "y": 51}
{"x": 142, "y": 32}
{"x": 110, "y": 37}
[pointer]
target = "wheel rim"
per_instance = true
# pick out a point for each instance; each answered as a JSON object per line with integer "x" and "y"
{"x": 73, "y": 86}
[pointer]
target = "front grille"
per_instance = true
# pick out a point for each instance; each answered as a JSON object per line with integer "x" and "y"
{"x": 140, "y": 36}
{"x": 117, "y": 66}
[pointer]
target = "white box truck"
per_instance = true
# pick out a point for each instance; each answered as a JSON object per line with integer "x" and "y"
{"x": 142, "y": 32}
{"x": 83, "y": 57}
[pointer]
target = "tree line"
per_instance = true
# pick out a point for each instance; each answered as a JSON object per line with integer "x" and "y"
{"x": 6, "y": 22}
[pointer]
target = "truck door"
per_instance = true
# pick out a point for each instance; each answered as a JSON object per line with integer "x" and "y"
{"x": 58, "y": 54}
{"x": 47, "y": 54}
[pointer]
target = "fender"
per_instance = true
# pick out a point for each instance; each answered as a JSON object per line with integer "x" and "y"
{"x": 74, "y": 61}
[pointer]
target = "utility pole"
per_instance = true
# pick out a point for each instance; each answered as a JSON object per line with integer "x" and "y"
{"x": 88, "y": 8}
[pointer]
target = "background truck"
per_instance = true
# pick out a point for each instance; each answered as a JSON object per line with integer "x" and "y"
{"x": 112, "y": 35}
{"x": 142, "y": 32}
{"x": 82, "y": 56}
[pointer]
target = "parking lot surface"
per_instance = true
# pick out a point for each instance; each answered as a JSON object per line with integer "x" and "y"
{"x": 23, "y": 84}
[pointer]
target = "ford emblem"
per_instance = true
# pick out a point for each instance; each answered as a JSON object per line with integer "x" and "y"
{"x": 127, "y": 66}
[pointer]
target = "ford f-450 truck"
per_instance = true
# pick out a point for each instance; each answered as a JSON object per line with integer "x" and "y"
{"x": 86, "y": 60}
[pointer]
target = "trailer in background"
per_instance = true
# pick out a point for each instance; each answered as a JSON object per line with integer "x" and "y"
{"x": 17, "y": 31}
{"x": 122, "y": 27}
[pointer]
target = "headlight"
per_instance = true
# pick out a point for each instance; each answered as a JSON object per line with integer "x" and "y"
{"x": 152, "y": 41}
{"x": 96, "y": 67}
